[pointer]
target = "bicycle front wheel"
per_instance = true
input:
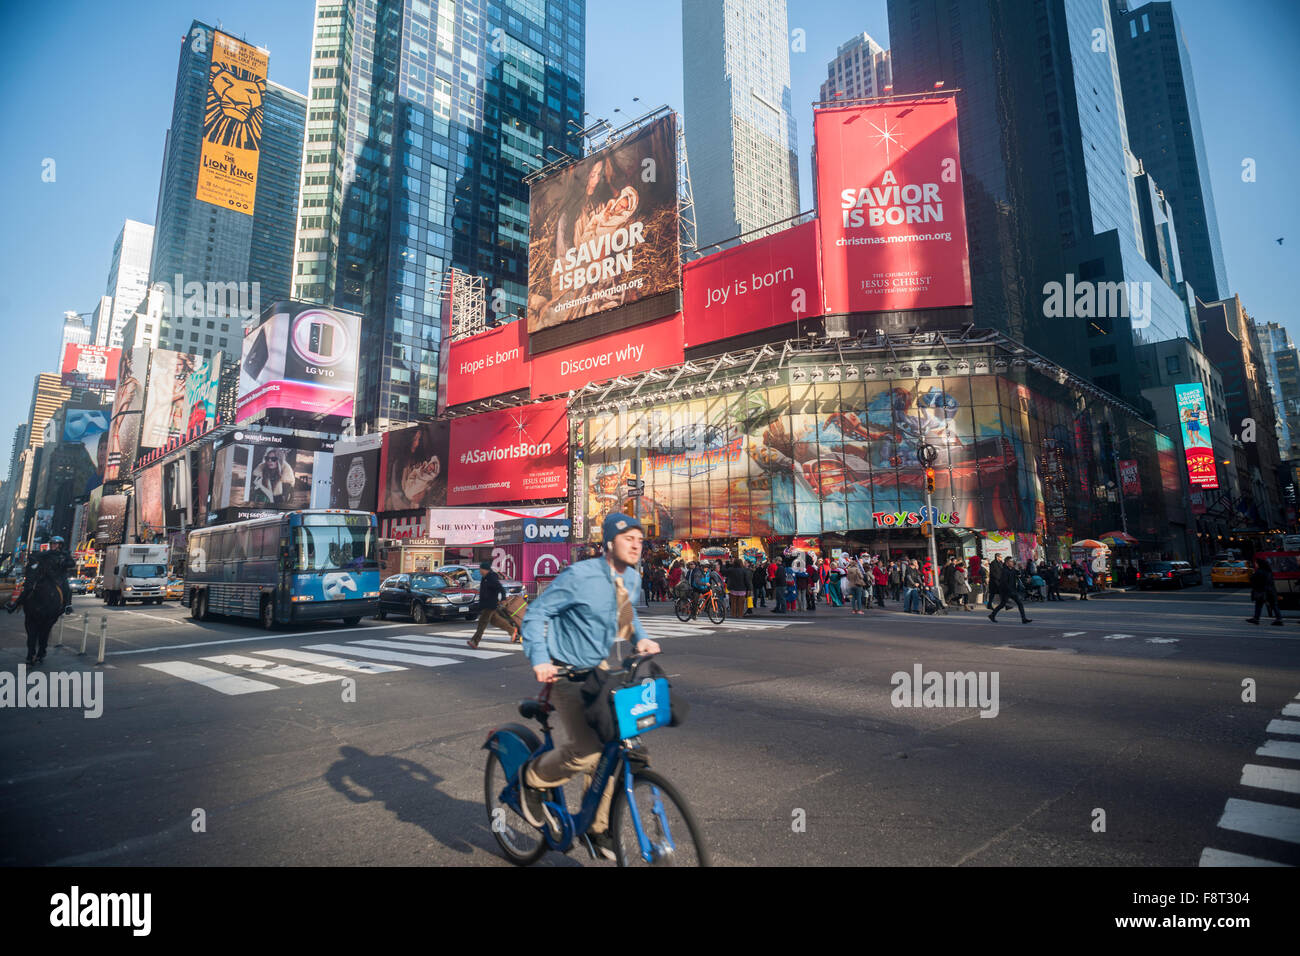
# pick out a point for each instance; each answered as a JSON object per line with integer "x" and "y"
{"x": 682, "y": 608}
{"x": 521, "y": 842}
{"x": 667, "y": 821}
{"x": 717, "y": 612}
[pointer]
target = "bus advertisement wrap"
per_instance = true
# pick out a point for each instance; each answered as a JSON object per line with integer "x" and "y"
{"x": 890, "y": 206}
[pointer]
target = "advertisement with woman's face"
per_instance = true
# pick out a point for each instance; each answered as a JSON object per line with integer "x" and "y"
{"x": 414, "y": 466}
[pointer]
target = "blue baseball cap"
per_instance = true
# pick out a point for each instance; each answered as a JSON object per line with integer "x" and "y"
{"x": 616, "y": 524}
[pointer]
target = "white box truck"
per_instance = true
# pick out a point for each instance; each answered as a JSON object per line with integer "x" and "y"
{"x": 135, "y": 572}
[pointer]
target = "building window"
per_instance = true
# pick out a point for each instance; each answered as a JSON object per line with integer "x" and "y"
{"x": 1172, "y": 365}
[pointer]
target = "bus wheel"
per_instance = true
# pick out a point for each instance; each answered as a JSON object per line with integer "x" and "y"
{"x": 268, "y": 614}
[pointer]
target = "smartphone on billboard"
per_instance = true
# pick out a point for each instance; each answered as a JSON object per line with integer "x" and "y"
{"x": 257, "y": 355}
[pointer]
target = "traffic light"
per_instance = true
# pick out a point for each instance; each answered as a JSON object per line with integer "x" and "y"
{"x": 929, "y": 481}
{"x": 927, "y": 529}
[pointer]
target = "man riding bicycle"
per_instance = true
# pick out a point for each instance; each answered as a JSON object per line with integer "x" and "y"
{"x": 575, "y": 623}
{"x": 701, "y": 582}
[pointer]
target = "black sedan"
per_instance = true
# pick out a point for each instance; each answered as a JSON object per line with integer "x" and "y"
{"x": 1168, "y": 574}
{"x": 424, "y": 595}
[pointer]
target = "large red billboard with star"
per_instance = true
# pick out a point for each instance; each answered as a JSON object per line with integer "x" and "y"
{"x": 890, "y": 206}
{"x": 516, "y": 454}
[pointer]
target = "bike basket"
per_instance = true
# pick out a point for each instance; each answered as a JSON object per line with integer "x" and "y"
{"x": 642, "y": 707}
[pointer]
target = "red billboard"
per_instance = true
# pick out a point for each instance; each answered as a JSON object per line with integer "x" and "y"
{"x": 90, "y": 366}
{"x": 653, "y": 345}
{"x": 516, "y": 454}
{"x": 891, "y": 208}
{"x": 487, "y": 364}
{"x": 755, "y": 286}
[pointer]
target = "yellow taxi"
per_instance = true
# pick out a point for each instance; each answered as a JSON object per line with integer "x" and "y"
{"x": 1229, "y": 573}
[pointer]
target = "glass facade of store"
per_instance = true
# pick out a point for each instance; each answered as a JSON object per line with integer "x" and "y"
{"x": 1017, "y": 453}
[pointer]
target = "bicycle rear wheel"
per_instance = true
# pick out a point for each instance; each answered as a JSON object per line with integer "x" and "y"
{"x": 682, "y": 608}
{"x": 717, "y": 612}
{"x": 665, "y": 818}
{"x": 521, "y": 842}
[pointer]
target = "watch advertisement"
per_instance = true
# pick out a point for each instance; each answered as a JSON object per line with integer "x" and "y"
{"x": 355, "y": 484}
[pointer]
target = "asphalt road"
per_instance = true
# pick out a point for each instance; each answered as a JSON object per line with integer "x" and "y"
{"x": 1121, "y": 737}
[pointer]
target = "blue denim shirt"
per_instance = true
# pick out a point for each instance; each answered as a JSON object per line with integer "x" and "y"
{"x": 576, "y": 619}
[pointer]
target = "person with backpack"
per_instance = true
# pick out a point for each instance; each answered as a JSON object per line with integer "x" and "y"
{"x": 857, "y": 585}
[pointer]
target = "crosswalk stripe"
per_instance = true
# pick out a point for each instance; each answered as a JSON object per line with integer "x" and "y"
{"x": 1211, "y": 857}
{"x": 296, "y": 675}
{"x": 1270, "y": 778}
{"x": 1283, "y": 727}
{"x": 1262, "y": 819}
{"x": 423, "y": 645}
{"x": 1282, "y": 749}
{"x": 460, "y": 642}
{"x": 211, "y": 677}
{"x": 422, "y": 660}
{"x": 340, "y": 663}
{"x": 1291, "y": 710}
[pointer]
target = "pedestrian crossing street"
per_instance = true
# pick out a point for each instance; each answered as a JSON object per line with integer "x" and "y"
{"x": 1271, "y": 816}
{"x": 276, "y": 668}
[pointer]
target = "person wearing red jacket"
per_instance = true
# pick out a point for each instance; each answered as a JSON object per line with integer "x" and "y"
{"x": 880, "y": 578}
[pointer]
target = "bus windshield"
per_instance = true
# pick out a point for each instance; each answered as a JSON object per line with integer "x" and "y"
{"x": 321, "y": 547}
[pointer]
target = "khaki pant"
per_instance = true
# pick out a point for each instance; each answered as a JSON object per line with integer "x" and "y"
{"x": 577, "y": 751}
{"x": 492, "y": 616}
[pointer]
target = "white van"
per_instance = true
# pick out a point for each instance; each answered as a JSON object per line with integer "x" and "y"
{"x": 135, "y": 572}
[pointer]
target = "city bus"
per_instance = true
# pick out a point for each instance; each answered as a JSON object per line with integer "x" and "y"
{"x": 285, "y": 569}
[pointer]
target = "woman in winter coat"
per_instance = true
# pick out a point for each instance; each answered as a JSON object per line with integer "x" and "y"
{"x": 961, "y": 587}
{"x": 857, "y": 585}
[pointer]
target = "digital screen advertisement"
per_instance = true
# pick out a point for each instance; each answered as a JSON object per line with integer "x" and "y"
{"x": 487, "y": 364}
{"x": 414, "y": 466}
{"x": 1194, "y": 423}
{"x": 165, "y": 411}
{"x": 654, "y": 344}
{"x": 516, "y": 454}
{"x": 124, "y": 427}
{"x": 603, "y": 232}
{"x": 232, "y": 125}
{"x": 355, "y": 482}
{"x": 890, "y": 206}
{"x": 259, "y": 472}
{"x": 302, "y": 358}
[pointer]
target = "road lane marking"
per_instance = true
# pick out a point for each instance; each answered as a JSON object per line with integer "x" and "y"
{"x": 295, "y": 675}
{"x": 460, "y": 639}
{"x": 422, "y": 644}
{"x": 1283, "y": 727}
{"x": 1270, "y": 778}
{"x": 420, "y": 659}
{"x": 1117, "y": 637}
{"x": 1282, "y": 749}
{"x": 322, "y": 660}
{"x": 261, "y": 637}
{"x": 1291, "y": 710}
{"x": 155, "y": 617}
{"x": 211, "y": 678}
{"x": 1074, "y": 633}
{"x": 1210, "y": 857}
{"x": 1162, "y": 640}
{"x": 1262, "y": 819}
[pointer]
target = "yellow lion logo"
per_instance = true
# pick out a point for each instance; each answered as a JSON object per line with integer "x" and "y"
{"x": 234, "y": 109}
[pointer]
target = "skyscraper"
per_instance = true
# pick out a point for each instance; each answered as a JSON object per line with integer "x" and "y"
{"x": 1282, "y": 363}
{"x": 1051, "y": 191}
{"x": 740, "y": 128}
{"x": 75, "y": 332}
{"x": 128, "y": 281}
{"x": 424, "y": 118}
{"x": 1164, "y": 131}
{"x": 861, "y": 68}
{"x": 221, "y": 264}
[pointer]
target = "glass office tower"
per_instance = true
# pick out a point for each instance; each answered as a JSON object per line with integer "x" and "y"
{"x": 1048, "y": 173}
{"x": 423, "y": 119}
{"x": 207, "y": 244}
{"x": 1164, "y": 130}
{"x": 740, "y": 130}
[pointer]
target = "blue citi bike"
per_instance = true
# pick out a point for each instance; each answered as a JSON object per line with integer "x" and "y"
{"x": 650, "y": 823}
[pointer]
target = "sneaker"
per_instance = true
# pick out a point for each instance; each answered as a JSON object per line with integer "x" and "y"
{"x": 1026, "y": 620}
{"x": 602, "y": 844}
{"x": 993, "y": 617}
{"x": 1277, "y": 623}
{"x": 1252, "y": 620}
{"x": 530, "y": 802}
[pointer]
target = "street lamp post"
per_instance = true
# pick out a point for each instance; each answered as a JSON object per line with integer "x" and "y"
{"x": 1119, "y": 479}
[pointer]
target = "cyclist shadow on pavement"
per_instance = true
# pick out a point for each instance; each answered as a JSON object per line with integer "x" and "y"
{"x": 410, "y": 792}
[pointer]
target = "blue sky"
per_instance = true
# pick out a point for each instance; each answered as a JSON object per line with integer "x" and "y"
{"x": 91, "y": 85}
